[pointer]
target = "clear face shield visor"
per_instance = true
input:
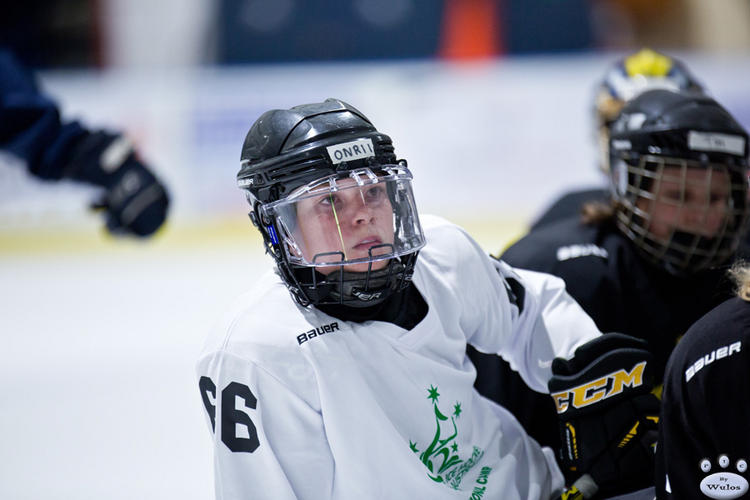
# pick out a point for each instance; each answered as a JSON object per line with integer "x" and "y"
{"x": 359, "y": 218}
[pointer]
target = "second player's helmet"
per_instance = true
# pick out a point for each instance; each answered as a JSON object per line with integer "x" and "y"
{"x": 334, "y": 205}
{"x": 630, "y": 76}
{"x": 679, "y": 179}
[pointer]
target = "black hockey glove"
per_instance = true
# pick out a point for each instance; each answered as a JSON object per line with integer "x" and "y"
{"x": 608, "y": 417}
{"x": 134, "y": 200}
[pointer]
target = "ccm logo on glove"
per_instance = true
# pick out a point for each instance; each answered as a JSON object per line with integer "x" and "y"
{"x": 602, "y": 388}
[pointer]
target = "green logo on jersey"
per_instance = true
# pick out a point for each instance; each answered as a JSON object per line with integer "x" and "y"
{"x": 441, "y": 456}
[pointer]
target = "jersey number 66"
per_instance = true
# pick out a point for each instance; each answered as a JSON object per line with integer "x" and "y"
{"x": 231, "y": 417}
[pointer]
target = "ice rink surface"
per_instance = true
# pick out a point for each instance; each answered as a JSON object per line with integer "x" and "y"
{"x": 99, "y": 394}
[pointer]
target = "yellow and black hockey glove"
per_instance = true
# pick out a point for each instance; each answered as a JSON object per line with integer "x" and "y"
{"x": 607, "y": 416}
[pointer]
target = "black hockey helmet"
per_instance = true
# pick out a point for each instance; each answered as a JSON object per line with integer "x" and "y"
{"x": 630, "y": 76}
{"x": 334, "y": 205}
{"x": 679, "y": 177}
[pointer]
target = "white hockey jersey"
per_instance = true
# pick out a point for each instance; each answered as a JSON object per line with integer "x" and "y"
{"x": 303, "y": 405}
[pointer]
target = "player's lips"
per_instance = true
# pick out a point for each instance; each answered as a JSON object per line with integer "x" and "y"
{"x": 367, "y": 243}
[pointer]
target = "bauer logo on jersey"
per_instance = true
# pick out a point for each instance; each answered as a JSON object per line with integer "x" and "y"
{"x": 597, "y": 390}
{"x": 317, "y": 332}
{"x": 707, "y": 359}
{"x": 576, "y": 251}
{"x": 353, "y": 150}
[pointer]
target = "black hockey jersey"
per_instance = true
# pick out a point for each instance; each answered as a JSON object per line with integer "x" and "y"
{"x": 569, "y": 205}
{"x": 621, "y": 291}
{"x": 704, "y": 443}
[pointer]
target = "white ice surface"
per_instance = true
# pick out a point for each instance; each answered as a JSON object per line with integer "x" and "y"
{"x": 98, "y": 394}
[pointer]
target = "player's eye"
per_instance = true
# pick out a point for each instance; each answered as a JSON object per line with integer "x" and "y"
{"x": 375, "y": 193}
{"x": 330, "y": 200}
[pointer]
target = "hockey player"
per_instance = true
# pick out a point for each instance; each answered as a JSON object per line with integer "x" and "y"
{"x": 653, "y": 262}
{"x": 343, "y": 374}
{"x": 31, "y": 129}
{"x": 704, "y": 446}
{"x": 625, "y": 79}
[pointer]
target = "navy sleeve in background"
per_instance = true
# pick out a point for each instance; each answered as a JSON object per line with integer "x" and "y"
{"x": 30, "y": 126}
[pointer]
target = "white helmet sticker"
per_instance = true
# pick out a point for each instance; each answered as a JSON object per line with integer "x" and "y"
{"x": 635, "y": 121}
{"x": 710, "y": 141}
{"x": 619, "y": 144}
{"x": 353, "y": 150}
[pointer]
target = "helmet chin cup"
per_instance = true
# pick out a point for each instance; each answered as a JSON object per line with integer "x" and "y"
{"x": 364, "y": 289}
{"x": 352, "y": 289}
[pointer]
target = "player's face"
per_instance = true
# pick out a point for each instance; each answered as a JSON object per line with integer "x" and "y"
{"x": 352, "y": 220}
{"x": 692, "y": 200}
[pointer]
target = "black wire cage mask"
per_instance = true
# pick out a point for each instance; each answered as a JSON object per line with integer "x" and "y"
{"x": 683, "y": 215}
{"x": 679, "y": 178}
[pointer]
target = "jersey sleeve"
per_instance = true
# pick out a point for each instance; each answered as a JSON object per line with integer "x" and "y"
{"x": 593, "y": 274}
{"x": 529, "y": 319}
{"x": 30, "y": 125}
{"x": 268, "y": 442}
{"x": 550, "y": 324}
